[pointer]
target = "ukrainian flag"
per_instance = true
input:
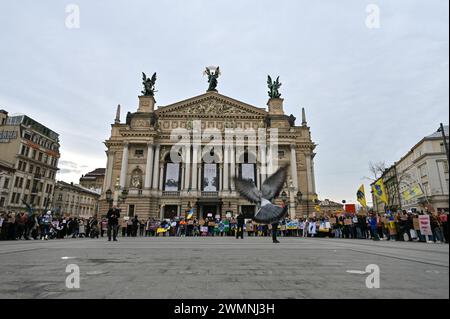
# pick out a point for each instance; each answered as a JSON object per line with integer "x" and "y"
{"x": 414, "y": 191}
{"x": 380, "y": 191}
{"x": 190, "y": 214}
{"x": 361, "y": 196}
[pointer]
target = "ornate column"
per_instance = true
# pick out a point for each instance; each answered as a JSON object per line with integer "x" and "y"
{"x": 183, "y": 170}
{"x": 161, "y": 177}
{"x": 194, "y": 167}
{"x": 199, "y": 179}
{"x": 124, "y": 167}
{"x": 226, "y": 161}
{"x": 221, "y": 177}
{"x": 262, "y": 150}
{"x": 161, "y": 212}
{"x": 294, "y": 167}
{"x": 313, "y": 177}
{"x": 232, "y": 165}
{"x": 156, "y": 168}
{"x": 308, "y": 174}
{"x": 148, "y": 167}
{"x": 109, "y": 168}
{"x": 187, "y": 171}
{"x": 258, "y": 177}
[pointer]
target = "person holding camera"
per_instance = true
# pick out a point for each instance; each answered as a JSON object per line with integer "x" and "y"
{"x": 113, "y": 216}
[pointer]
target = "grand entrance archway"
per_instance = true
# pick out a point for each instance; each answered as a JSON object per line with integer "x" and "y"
{"x": 209, "y": 206}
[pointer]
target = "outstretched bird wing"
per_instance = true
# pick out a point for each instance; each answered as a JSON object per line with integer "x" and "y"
{"x": 248, "y": 190}
{"x": 274, "y": 184}
{"x": 270, "y": 213}
{"x": 153, "y": 78}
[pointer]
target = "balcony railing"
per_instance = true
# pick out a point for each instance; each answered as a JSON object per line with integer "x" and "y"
{"x": 210, "y": 194}
{"x": 170, "y": 193}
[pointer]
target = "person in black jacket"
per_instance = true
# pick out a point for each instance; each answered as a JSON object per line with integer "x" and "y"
{"x": 240, "y": 226}
{"x": 113, "y": 216}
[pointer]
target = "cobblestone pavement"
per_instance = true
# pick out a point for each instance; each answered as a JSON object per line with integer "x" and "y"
{"x": 222, "y": 268}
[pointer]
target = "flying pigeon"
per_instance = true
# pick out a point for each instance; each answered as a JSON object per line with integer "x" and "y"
{"x": 271, "y": 188}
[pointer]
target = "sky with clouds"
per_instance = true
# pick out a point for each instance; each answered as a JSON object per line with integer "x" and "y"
{"x": 369, "y": 94}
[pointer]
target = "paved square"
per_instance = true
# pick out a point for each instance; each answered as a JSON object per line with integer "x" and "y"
{"x": 223, "y": 268}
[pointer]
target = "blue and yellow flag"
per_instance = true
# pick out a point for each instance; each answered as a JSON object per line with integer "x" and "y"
{"x": 361, "y": 196}
{"x": 190, "y": 213}
{"x": 380, "y": 191}
{"x": 413, "y": 192}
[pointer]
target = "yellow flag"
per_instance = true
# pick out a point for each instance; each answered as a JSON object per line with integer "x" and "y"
{"x": 361, "y": 196}
{"x": 380, "y": 191}
{"x": 414, "y": 191}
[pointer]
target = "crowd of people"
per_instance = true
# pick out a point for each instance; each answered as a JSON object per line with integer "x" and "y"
{"x": 46, "y": 226}
{"x": 400, "y": 226}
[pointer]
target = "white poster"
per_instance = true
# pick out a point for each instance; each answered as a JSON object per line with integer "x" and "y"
{"x": 425, "y": 226}
{"x": 172, "y": 177}
{"x": 248, "y": 172}
{"x": 210, "y": 178}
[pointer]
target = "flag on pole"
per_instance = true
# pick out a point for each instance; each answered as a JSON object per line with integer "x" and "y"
{"x": 414, "y": 191}
{"x": 190, "y": 213}
{"x": 361, "y": 196}
{"x": 380, "y": 191}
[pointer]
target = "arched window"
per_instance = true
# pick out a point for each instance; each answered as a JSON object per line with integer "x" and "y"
{"x": 172, "y": 174}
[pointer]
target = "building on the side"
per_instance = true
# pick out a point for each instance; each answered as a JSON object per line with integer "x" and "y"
{"x": 426, "y": 164}
{"x": 75, "y": 200}
{"x": 6, "y": 175}
{"x": 143, "y": 175}
{"x": 32, "y": 151}
{"x": 94, "y": 180}
{"x": 424, "y": 168}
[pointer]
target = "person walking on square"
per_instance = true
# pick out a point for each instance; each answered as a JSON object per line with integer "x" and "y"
{"x": 113, "y": 216}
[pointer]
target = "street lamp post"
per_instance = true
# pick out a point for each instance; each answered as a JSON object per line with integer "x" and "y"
{"x": 441, "y": 129}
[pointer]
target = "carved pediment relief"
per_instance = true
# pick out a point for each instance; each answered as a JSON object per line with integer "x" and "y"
{"x": 211, "y": 105}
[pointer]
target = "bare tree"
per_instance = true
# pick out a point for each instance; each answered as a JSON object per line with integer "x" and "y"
{"x": 376, "y": 169}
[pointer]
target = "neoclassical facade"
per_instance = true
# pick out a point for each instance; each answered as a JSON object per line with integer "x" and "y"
{"x": 171, "y": 158}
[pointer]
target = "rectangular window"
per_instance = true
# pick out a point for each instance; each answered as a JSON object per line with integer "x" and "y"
{"x": 33, "y": 156}
{"x": 2, "y": 202}
{"x": 25, "y": 198}
{"x": 139, "y": 153}
{"x": 40, "y": 156}
{"x": 172, "y": 181}
{"x": 31, "y": 168}
{"x": 6, "y": 184}
{"x": 13, "y": 198}
{"x": 27, "y": 186}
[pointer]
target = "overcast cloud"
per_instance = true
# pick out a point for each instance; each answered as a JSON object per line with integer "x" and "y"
{"x": 369, "y": 94}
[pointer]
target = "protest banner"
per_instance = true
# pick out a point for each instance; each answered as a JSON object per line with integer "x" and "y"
{"x": 292, "y": 225}
{"x": 416, "y": 223}
{"x": 425, "y": 225}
